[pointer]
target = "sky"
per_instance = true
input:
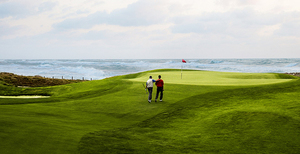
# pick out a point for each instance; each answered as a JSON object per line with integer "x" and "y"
{"x": 149, "y": 29}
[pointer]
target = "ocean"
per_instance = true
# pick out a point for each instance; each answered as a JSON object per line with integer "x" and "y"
{"x": 96, "y": 69}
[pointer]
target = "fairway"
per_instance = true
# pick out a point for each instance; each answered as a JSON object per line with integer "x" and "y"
{"x": 204, "y": 112}
{"x": 214, "y": 78}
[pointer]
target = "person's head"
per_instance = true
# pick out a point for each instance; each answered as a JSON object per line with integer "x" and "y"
{"x": 159, "y": 76}
{"x": 150, "y": 77}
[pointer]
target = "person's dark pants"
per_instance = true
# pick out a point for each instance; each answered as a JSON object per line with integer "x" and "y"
{"x": 150, "y": 89}
{"x": 159, "y": 90}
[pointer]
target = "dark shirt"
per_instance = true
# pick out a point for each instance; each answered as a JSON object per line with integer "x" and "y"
{"x": 159, "y": 83}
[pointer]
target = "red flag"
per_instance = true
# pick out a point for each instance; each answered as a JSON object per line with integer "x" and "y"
{"x": 183, "y": 61}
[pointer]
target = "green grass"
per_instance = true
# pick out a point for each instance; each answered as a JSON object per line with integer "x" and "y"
{"x": 204, "y": 112}
{"x": 216, "y": 78}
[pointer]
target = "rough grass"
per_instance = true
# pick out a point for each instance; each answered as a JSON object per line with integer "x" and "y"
{"x": 32, "y": 81}
{"x": 113, "y": 116}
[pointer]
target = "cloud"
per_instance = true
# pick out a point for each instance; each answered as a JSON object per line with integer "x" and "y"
{"x": 8, "y": 31}
{"x": 237, "y": 23}
{"x": 46, "y": 6}
{"x": 22, "y": 9}
{"x": 82, "y": 22}
{"x": 247, "y": 2}
{"x": 93, "y": 35}
{"x": 289, "y": 29}
{"x": 2, "y": 1}
{"x": 290, "y": 25}
{"x": 13, "y": 9}
{"x": 237, "y": 2}
{"x": 171, "y": 28}
{"x": 141, "y": 13}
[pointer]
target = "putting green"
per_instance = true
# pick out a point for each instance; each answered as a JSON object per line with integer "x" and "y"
{"x": 213, "y": 78}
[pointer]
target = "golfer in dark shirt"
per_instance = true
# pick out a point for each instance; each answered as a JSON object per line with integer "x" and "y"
{"x": 160, "y": 88}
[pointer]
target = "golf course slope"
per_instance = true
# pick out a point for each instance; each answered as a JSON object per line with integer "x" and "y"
{"x": 201, "y": 112}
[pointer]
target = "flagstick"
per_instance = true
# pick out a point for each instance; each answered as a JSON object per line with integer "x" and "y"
{"x": 181, "y": 71}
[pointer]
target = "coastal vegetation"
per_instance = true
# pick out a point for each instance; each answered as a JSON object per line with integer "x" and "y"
{"x": 202, "y": 112}
{"x": 32, "y": 81}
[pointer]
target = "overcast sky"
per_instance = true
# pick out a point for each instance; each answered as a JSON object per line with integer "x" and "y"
{"x": 149, "y": 29}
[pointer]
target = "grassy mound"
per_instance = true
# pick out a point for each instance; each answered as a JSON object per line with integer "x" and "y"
{"x": 204, "y": 112}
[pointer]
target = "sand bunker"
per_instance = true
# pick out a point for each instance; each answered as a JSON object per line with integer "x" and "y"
{"x": 24, "y": 96}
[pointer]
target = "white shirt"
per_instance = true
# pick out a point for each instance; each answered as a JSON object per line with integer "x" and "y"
{"x": 149, "y": 83}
